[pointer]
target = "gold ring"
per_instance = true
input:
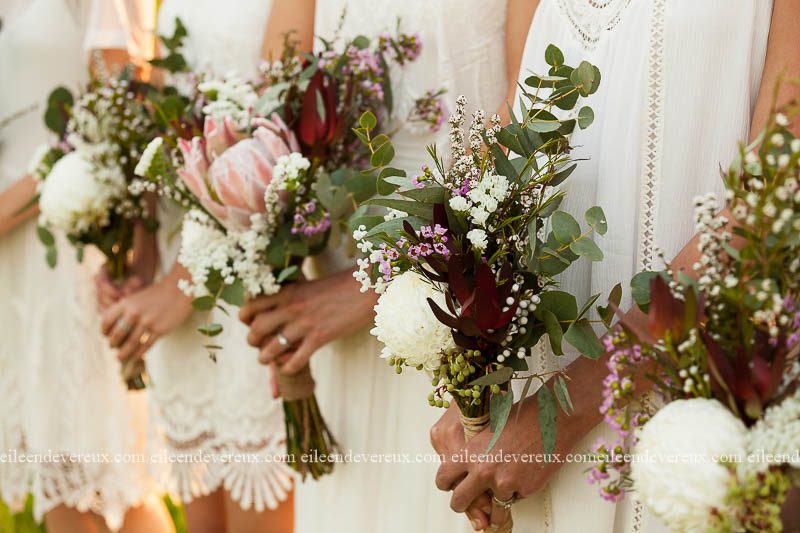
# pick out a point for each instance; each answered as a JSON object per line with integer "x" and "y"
{"x": 505, "y": 504}
{"x": 144, "y": 337}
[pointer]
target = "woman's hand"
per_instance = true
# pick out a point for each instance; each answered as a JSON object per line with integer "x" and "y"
{"x": 290, "y": 326}
{"x": 137, "y": 321}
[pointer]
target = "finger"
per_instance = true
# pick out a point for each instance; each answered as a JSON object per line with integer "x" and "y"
{"x": 499, "y": 513}
{"x": 110, "y": 317}
{"x": 299, "y": 359}
{"x": 122, "y": 330}
{"x": 274, "y": 381}
{"x": 131, "y": 343}
{"x": 256, "y": 306}
{"x": 150, "y": 340}
{"x": 479, "y": 512}
{"x": 131, "y": 285}
{"x": 449, "y": 474}
{"x": 467, "y": 490}
{"x": 281, "y": 343}
{"x": 266, "y": 325}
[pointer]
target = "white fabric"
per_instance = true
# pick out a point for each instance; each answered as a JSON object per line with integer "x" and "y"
{"x": 370, "y": 409}
{"x": 224, "y": 407}
{"x": 60, "y": 386}
{"x": 679, "y": 81}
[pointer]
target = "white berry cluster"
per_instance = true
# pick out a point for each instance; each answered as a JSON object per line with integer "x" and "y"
{"x": 230, "y": 98}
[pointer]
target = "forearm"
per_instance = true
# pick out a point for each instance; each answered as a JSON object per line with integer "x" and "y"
{"x": 13, "y": 202}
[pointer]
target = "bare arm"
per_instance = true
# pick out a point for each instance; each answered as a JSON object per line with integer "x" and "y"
{"x": 13, "y": 201}
{"x": 296, "y": 16}
{"x": 519, "y": 16}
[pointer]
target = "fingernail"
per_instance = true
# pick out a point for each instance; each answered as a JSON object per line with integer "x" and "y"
{"x": 476, "y": 524}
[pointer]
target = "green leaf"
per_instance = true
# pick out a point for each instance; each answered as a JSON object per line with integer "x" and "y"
{"x": 204, "y": 303}
{"x": 503, "y": 165}
{"x": 55, "y": 120}
{"x": 499, "y": 409}
{"x": 588, "y": 305}
{"x": 51, "y": 256}
{"x": 389, "y": 179}
{"x": 596, "y": 218}
{"x": 554, "y": 331}
{"x": 210, "y": 330}
{"x": 498, "y": 377}
{"x": 547, "y": 418}
{"x": 361, "y": 42}
{"x": 553, "y": 56}
{"x": 585, "y": 117}
{"x": 565, "y": 228}
{"x": 368, "y": 120}
{"x": 384, "y": 151}
{"x": 560, "y": 303}
{"x": 581, "y": 335}
{"x": 406, "y": 206}
{"x": 614, "y": 297}
{"x": 45, "y": 236}
{"x": 561, "y": 175}
{"x": 543, "y": 126}
{"x": 587, "y": 248}
{"x": 233, "y": 294}
{"x": 562, "y": 394}
{"x": 393, "y": 228}
{"x": 584, "y": 77}
{"x": 288, "y": 273}
{"x": 427, "y": 195}
{"x": 525, "y": 389}
{"x": 640, "y": 288}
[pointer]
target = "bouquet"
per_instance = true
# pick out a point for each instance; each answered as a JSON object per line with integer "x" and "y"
{"x": 273, "y": 180}
{"x": 84, "y": 178}
{"x": 722, "y": 352}
{"x": 465, "y": 261}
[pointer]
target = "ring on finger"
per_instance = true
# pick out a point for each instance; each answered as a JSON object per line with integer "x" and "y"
{"x": 123, "y": 326}
{"x": 282, "y": 340}
{"x": 505, "y": 504}
{"x": 144, "y": 337}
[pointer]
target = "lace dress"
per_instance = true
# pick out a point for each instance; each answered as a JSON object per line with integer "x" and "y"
{"x": 372, "y": 410}
{"x": 59, "y": 383}
{"x": 664, "y": 123}
{"x": 225, "y": 408}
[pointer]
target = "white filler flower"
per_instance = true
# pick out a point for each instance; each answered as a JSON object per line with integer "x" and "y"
{"x": 677, "y": 470}
{"x": 406, "y": 326}
{"x": 72, "y": 197}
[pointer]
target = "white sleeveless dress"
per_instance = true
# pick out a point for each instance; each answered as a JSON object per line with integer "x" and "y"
{"x": 59, "y": 383}
{"x": 370, "y": 409}
{"x": 225, "y": 407}
{"x": 679, "y": 82}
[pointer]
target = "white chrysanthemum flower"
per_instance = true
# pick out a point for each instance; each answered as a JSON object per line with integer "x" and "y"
{"x": 74, "y": 197}
{"x": 407, "y": 327}
{"x": 478, "y": 239}
{"x": 677, "y": 469}
{"x": 36, "y": 160}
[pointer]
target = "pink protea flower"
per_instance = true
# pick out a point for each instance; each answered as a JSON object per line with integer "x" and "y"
{"x": 228, "y": 171}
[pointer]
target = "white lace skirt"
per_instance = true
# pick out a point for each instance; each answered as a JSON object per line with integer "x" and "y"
{"x": 219, "y": 418}
{"x": 63, "y": 398}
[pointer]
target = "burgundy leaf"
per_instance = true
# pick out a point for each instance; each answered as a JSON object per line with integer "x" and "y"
{"x": 442, "y": 316}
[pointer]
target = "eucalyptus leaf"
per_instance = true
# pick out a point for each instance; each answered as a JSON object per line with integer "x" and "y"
{"x": 45, "y": 236}
{"x": 596, "y": 218}
{"x": 210, "y": 330}
{"x": 288, "y": 273}
{"x": 498, "y": 377}
{"x": 499, "y": 408}
{"x": 581, "y": 335}
{"x": 51, "y": 257}
{"x": 204, "y": 303}
{"x": 562, "y": 394}
{"x": 233, "y": 294}
{"x": 553, "y": 56}
{"x": 406, "y": 206}
{"x": 585, "y": 117}
{"x": 640, "y": 288}
{"x": 565, "y": 228}
{"x": 614, "y": 297}
{"x": 587, "y": 248}
{"x": 368, "y": 120}
{"x": 547, "y": 418}
{"x": 554, "y": 331}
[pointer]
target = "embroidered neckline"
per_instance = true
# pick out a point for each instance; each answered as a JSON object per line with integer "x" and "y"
{"x": 589, "y": 19}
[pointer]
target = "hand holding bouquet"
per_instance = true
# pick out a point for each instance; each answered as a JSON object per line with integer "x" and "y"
{"x": 84, "y": 179}
{"x": 723, "y": 354}
{"x": 465, "y": 260}
{"x": 271, "y": 181}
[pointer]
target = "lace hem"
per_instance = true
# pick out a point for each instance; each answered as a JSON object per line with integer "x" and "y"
{"x": 108, "y": 490}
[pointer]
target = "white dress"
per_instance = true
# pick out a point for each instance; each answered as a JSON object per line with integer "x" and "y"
{"x": 679, "y": 82}
{"x": 223, "y": 408}
{"x": 370, "y": 409}
{"x": 59, "y": 383}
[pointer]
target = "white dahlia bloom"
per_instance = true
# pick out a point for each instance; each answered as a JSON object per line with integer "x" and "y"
{"x": 677, "y": 470}
{"x": 73, "y": 197}
{"x": 407, "y": 327}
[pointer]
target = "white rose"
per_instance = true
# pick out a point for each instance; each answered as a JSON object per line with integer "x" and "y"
{"x": 407, "y": 327}
{"x": 72, "y": 198}
{"x": 676, "y": 471}
{"x": 478, "y": 239}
